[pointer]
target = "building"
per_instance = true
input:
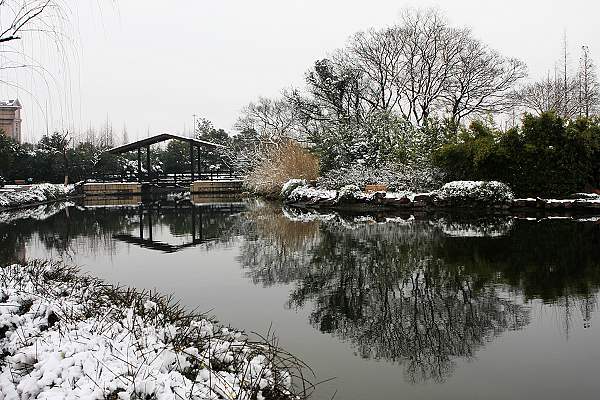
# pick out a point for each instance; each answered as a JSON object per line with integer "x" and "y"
{"x": 10, "y": 118}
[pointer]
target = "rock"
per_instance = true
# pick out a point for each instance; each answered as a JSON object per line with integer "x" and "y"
{"x": 586, "y": 204}
{"x": 559, "y": 204}
{"x": 540, "y": 203}
{"x": 524, "y": 203}
{"x": 424, "y": 198}
{"x": 400, "y": 202}
{"x": 376, "y": 188}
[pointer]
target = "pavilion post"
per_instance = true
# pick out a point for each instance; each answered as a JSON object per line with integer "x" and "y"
{"x": 139, "y": 154}
{"x": 148, "y": 166}
{"x": 192, "y": 159}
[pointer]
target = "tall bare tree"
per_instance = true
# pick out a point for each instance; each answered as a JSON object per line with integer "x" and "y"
{"x": 589, "y": 89}
{"x": 567, "y": 94}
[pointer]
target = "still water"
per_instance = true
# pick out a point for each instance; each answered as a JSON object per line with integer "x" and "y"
{"x": 391, "y": 306}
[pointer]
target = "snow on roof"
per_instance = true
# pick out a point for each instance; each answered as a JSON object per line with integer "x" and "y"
{"x": 157, "y": 139}
{"x": 10, "y": 103}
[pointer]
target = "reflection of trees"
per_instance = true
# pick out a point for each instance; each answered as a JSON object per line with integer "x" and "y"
{"x": 276, "y": 250}
{"x": 547, "y": 260}
{"x": 411, "y": 293}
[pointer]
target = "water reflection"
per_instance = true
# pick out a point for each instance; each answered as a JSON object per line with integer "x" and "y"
{"x": 425, "y": 292}
{"x": 204, "y": 224}
{"x": 98, "y": 227}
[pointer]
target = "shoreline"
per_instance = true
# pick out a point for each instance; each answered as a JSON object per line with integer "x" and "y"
{"x": 57, "y": 326}
{"x": 457, "y": 196}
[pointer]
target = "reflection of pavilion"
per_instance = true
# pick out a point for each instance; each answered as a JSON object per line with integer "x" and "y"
{"x": 203, "y": 226}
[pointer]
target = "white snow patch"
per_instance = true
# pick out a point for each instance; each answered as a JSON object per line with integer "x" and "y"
{"x": 66, "y": 339}
{"x": 35, "y": 194}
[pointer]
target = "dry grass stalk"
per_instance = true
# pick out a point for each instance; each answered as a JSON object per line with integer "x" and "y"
{"x": 281, "y": 163}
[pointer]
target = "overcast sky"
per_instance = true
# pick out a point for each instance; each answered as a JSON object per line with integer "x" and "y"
{"x": 151, "y": 65}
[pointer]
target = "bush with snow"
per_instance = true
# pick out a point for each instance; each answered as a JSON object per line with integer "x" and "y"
{"x": 70, "y": 336}
{"x": 349, "y": 192}
{"x": 290, "y": 185}
{"x": 396, "y": 177}
{"x": 305, "y": 194}
{"x": 468, "y": 193}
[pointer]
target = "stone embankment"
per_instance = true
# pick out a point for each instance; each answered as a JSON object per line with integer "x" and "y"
{"x": 453, "y": 195}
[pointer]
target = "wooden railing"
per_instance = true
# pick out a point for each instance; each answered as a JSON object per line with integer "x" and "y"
{"x": 174, "y": 179}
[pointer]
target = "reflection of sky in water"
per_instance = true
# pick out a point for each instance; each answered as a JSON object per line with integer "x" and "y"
{"x": 440, "y": 307}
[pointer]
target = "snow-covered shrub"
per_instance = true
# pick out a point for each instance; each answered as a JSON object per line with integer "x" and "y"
{"x": 396, "y": 177}
{"x": 280, "y": 163}
{"x": 303, "y": 194}
{"x": 349, "y": 192}
{"x": 290, "y": 185}
{"x": 467, "y": 193}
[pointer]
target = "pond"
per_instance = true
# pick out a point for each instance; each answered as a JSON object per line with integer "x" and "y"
{"x": 391, "y": 306}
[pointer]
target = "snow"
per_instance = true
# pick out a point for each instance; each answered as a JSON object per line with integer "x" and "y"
{"x": 35, "y": 194}
{"x": 494, "y": 227}
{"x": 490, "y": 192}
{"x": 290, "y": 185}
{"x": 179, "y": 196}
{"x": 38, "y": 213}
{"x": 305, "y": 193}
{"x": 67, "y": 336}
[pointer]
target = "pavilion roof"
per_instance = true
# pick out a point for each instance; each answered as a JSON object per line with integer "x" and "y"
{"x": 157, "y": 139}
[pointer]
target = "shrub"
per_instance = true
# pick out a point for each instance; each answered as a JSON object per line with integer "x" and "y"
{"x": 547, "y": 156}
{"x": 397, "y": 178}
{"x": 470, "y": 193}
{"x": 278, "y": 165}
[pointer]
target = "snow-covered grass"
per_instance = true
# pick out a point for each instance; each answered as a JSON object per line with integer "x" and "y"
{"x": 34, "y": 194}
{"x": 64, "y": 335}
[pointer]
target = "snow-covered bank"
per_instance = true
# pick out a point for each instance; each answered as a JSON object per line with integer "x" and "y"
{"x": 65, "y": 335}
{"x": 459, "y": 194}
{"x": 34, "y": 194}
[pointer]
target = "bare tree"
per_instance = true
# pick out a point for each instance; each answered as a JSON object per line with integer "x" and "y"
{"x": 568, "y": 95}
{"x": 25, "y": 16}
{"x": 125, "y": 135}
{"x": 482, "y": 82}
{"x": 47, "y": 19}
{"x": 272, "y": 120}
{"x": 417, "y": 69}
{"x": 107, "y": 135}
{"x": 541, "y": 96}
{"x": 589, "y": 89}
